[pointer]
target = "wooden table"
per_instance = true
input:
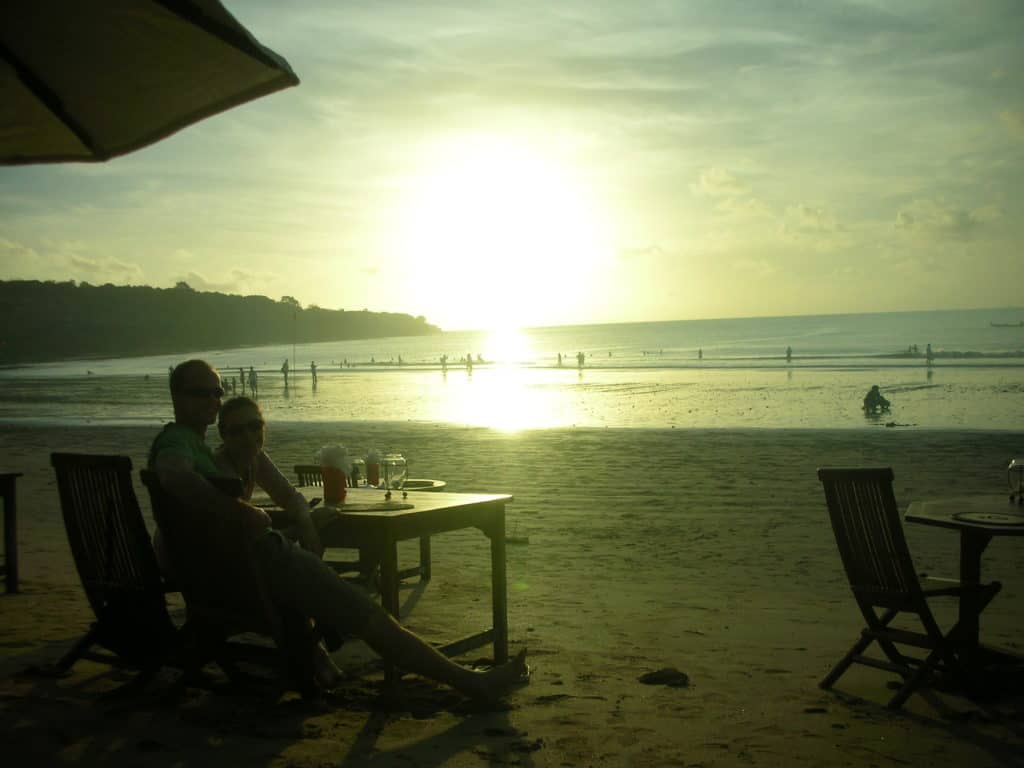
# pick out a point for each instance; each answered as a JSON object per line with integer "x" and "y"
{"x": 432, "y": 513}
{"x": 978, "y": 519}
{"x": 10, "y": 565}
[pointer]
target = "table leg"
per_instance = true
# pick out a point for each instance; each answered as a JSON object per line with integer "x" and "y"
{"x": 389, "y": 578}
{"x": 424, "y": 558}
{"x": 389, "y": 597}
{"x": 499, "y": 587}
{"x": 10, "y": 534}
{"x": 972, "y": 544}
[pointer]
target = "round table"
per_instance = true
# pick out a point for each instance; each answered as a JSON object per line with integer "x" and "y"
{"x": 423, "y": 484}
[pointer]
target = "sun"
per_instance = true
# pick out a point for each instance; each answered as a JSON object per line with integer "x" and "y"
{"x": 496, "y": 229}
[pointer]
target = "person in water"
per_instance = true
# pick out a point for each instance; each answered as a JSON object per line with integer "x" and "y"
{"x": 873, "y": 400}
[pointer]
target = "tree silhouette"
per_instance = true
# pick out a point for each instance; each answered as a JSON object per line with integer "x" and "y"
{"x": 55, "y": 320}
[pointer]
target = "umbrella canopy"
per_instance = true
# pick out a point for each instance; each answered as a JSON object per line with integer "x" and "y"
{"x": 87, "y": 80}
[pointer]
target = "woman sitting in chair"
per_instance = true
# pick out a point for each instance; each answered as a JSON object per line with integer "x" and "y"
{"x": 243, "y": 432}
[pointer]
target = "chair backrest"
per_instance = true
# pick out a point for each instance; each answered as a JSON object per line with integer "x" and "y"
{"x": 309, "y": 474}
{"x": 112, "y": 550}
{"x": 869, "y": 534}
{"x": 210, "y": 561}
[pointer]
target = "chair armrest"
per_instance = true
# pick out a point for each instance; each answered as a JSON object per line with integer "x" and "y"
{"x": 939, "y": 578}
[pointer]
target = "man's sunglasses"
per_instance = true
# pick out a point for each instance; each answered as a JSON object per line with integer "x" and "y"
{"x": 254, "y": 426}
{"x": 203, "y": 392}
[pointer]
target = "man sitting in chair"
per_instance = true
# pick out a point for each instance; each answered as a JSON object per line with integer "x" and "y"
{"x": 300, "y": 579}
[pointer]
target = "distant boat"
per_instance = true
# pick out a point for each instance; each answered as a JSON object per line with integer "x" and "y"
{"x": 1008, "y": 325}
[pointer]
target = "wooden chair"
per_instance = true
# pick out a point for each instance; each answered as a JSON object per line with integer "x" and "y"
{"x": 309, "y": 474}
{"x": 116, "y": 565}
{"x": 225, "y": 594}
{"x": 869, "y": 534}
{"x": 312, "y": 474}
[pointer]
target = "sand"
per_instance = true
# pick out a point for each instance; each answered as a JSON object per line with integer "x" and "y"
{"x": 705, "y": 551}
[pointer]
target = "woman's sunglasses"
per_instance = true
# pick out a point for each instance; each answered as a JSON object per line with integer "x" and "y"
{"x": 254, "y": 426}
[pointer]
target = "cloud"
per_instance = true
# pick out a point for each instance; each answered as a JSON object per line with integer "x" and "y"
{"x": 718, "y": 183}
{"x": 199, "y": 283}
{"x": 63, "y": 260}
{"x": 638, "y": 252}
{"x": 105, "y": 268}
{"x": 1013, "y": 119}
{"x": 19, "y": 260}
{"x": 754, "y": 268}
{"x": 802, "y": 220}
{"x": 940, "y": 219}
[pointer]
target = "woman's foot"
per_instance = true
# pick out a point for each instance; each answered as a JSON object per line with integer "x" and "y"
{"x": 496, "y": 681}
{"x": 325, "y": 672}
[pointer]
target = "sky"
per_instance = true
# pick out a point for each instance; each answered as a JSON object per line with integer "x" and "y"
{"x": 522, "y": 164}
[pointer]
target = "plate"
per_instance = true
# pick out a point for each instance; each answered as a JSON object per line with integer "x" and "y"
{"x": 992, "y": 518}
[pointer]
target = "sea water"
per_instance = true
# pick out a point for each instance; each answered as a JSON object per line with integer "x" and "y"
{"x": 699, "y": 373}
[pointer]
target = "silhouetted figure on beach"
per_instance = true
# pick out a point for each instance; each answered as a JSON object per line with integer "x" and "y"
{"x": 469, "y": 363}
{"x": 284, "y": 370}
{"x": 580, "y": 359}
{"x": 241, "y": 378}
{"x": 444, "y": 363}
{"x": 928, "y": 354}
{"x": 874, "y": 401}
{"x": 789, "y": 354}
{"x": 312, "y": 371}
{"x": 700, "y": 353}
{"x": 252, "y": 382}
{"x": 559, "y": 359}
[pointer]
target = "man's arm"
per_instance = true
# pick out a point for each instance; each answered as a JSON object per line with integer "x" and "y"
{"x": 179, "y": 478}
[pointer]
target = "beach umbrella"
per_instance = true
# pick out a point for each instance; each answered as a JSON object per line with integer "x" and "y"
{"x": 88, "y": 80}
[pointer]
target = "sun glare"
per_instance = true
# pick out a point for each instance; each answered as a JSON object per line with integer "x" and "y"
{"x": 507, "y": 345}
{"x": 504, "y": 399}
{"x": 495, "y": 229}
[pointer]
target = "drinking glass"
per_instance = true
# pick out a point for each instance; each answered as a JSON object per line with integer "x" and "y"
{"x": 394, "y": 468}
{"x": 358, "y": 474}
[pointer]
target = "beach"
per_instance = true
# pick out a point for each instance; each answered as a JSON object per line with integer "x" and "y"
{"x": 707, "y": 551}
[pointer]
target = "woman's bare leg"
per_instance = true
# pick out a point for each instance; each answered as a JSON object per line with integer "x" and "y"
{"x": 401, "y": 647}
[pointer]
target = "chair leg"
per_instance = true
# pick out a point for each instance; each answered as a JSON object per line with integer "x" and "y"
{"x": 75, "y": 652}
{"x": 919, "y": 678}
{"x": 844, "y": 664}
{"x": 860, "y": 646}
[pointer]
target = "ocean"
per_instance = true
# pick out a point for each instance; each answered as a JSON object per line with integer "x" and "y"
{"x": 729, "y": 373}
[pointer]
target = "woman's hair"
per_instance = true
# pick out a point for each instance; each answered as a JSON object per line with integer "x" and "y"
{"x": 232, "y": 405}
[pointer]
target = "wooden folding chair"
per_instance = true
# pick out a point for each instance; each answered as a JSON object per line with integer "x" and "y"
{"x": 309, "y": 474}
{"x": 116, "y": 565}
{"x": 225, "y": 594}
{"x": 869, "y": 535}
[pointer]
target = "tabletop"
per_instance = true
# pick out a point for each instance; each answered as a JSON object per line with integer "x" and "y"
{"x": 991, "y": 513}
{"x": 414, "y": 501}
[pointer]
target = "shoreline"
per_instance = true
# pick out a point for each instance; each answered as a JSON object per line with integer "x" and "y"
{"x": 866, "y": 428}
